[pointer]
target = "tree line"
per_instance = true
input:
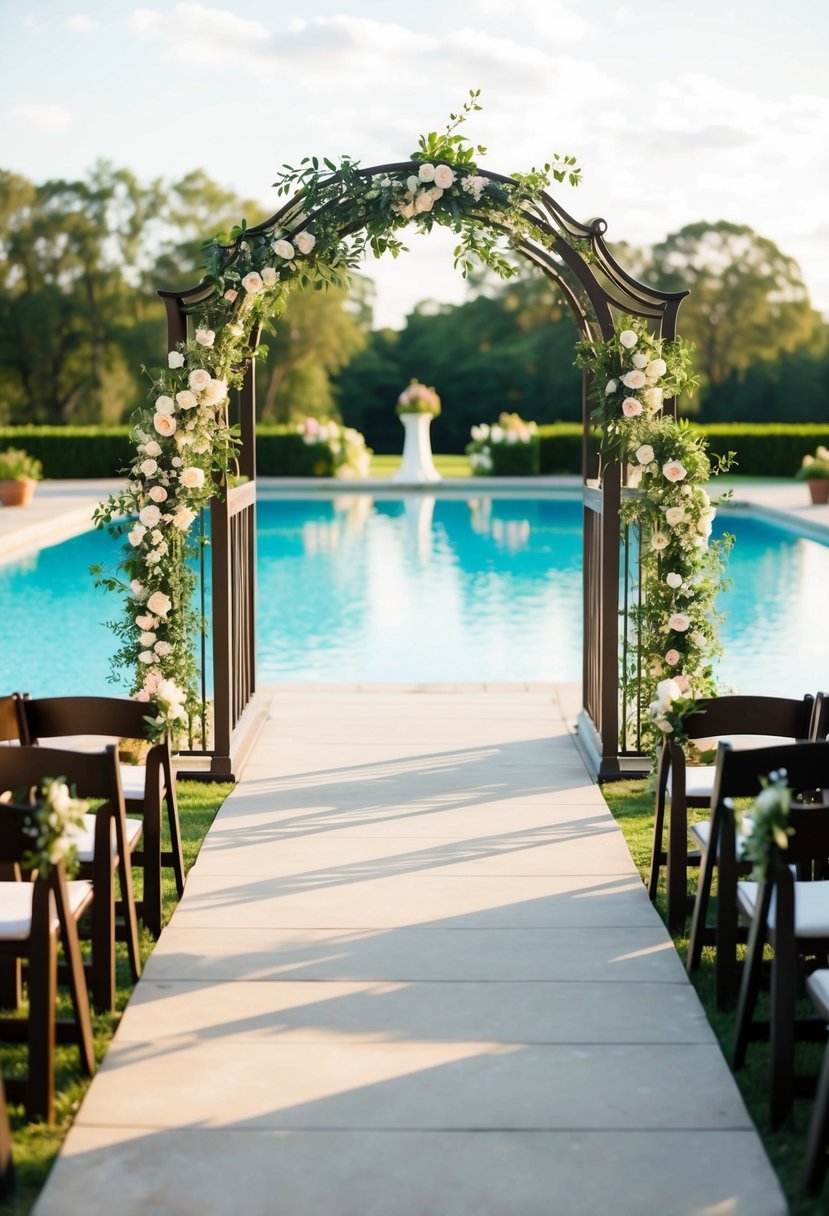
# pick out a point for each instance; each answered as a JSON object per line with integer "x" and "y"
{"x": 79, "y": 317}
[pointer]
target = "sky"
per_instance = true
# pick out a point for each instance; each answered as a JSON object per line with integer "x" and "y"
{"x": 677, "y": 112}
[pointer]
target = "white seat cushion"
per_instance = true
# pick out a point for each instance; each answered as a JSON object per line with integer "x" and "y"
{"x": 84, "y": 838}
{"x": 16, "y": 907}
{"x": 133, "y": 780}
{"x": 811, "y": 907}
{"x": 701, "y": 833}
{"x": 818, "y": 988}
{"x": 699, "y": 780}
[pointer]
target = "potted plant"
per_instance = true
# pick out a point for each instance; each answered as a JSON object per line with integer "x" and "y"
{"x": 814, "y": 470}
{"x": 416, "y": 406}
{"x": 18, "y": 473}
{"x": 508, "y": 448}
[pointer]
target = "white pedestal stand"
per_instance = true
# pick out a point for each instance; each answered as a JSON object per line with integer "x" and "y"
{"x": 417, "y": 467}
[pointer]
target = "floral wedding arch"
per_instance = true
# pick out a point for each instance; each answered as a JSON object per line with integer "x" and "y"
{"x": 188, "y": 446}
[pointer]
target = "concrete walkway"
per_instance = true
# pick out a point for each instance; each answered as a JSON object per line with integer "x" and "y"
{"x": 414, "y": 973}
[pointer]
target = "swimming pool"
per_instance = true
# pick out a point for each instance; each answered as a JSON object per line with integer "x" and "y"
{"x": 421, "y": 588}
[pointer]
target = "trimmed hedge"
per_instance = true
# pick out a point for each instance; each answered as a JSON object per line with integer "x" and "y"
{"x": 763, "y": 450}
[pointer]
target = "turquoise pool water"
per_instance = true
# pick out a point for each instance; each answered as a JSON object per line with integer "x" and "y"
{"x": 421, "y": 588}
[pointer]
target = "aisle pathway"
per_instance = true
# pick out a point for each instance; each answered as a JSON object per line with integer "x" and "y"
{"x": 414, "y": 973}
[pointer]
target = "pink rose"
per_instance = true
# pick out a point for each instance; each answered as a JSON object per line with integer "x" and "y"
{"x": 165, "y": 425}
{"x": 252, "y": 283}
{"x": 444, "y": 176}
{"x": 199, "y": 379}
{"x": 634, "y": 379}
{"x": 631, "y": 408}
{"x": 159, "y": 603}
{"x": 679, "y": 622}
{"x": 672, "y": 658}
{"x": 305, "y": 242}
{"x": 205, "y": 337}
{"x": 674, "y": 470}
{"x": 186, "y": 400}
{"x": 230, "y": 295}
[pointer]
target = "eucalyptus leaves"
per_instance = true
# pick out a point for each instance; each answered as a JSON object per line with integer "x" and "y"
{"x": 675, "y": 623}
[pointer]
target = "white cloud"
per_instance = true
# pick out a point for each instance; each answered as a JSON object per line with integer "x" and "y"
{"x": 207, "y": 35}
{"x": 554, "y": 20}
{"x": 81, "y": 23}
{"x": 52, "y": 120}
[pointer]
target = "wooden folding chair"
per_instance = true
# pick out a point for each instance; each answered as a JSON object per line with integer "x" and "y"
{"x": 792, "y": 915}
{"x": 145, "y": 786}
{"x": 816, "y": 1161}
{"x": 680, "y": 786}
{"x": 34, "y": 917}
{"x": 738, "y": 775}
{"x": 103, "y": 847}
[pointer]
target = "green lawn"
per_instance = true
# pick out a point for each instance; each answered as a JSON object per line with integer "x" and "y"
{"x": 447, "y": 466}
{"x": 632, "y": 807}
{"x": 35, "y": 1146}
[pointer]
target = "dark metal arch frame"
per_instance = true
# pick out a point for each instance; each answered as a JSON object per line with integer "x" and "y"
{"x": 574, "y": 256}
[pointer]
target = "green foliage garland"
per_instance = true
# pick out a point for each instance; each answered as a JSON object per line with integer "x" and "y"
{"x": 674, "y": 626}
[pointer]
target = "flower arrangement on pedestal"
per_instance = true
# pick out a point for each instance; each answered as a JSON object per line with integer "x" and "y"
{"x": 418, "y": 399}
{"x": 507, "y": 447}
{"x": 675, "y": 624}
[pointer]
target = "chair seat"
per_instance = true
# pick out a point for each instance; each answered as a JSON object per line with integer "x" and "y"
{"x": 699, "y": 780}
{"x": 16, "y": 907}
{"x": 811, "y": 907}
{"x": 817, "y": 986}
{"x": 701, "y": 833}
{"x": 133, "y": 780}
{"x": 84, "y": 838}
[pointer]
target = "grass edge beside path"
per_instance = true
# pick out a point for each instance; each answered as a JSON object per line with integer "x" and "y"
{"x": 632, "y": 806}
{"x": 34, "y": 1145}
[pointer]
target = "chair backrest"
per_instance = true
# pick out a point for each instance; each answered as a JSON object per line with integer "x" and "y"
{"x": 55, "y": 717}
{"x": 93, "y": 774}
{"x": 738, "y": 773}
{"x": 10, "y": 719}
{"x": 778, "y": 717}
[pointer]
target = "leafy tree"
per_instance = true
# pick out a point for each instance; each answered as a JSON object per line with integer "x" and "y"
{"x": 748, "y": 303}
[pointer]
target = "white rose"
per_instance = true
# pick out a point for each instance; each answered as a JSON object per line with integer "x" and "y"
{"x": 634, "y": 379}
{"x": 406, "y": 210}
{"x": 699, "y": 639}
{"x": 653, "y": 399}
{"x": 673, "y": 580}
{"x": 149, "y": 467}
{"x": 164, "y": 424}
{"x": 186, "y": 400}
{"x": 165, "y": 405}
{"x": 215, "y": 392}
{"x": 645, "y": 453}
{"x": 182, "y": 520}
{"x": 444, "y": 176}
{"x": 679, "y": 622}
{"x": 136, "y": 535}
{"x": 146, "y": 656}
{"x": 628, "y": 339}
{"x": 656, "y": 368}
{"x": 668, "y": 690}
{"x": 205, "y": 337}
{"x": 674, "y": 471}
{"x": 147, "y": 639}
{"x": 674, "y": 516}
{"x": 639, "y": 360}
{"x": 610, "y": 387}
{"x": 199, "y": 379}
{"x": 412, "y": 183}
{"x": 145, "y": 621}
{"x": 252, "y": 283}
{"x": 175, "y": 359}
{"x": 426, "y": 172}
{"x": 149, "y": 516}
{"x": 305, "y": 242}
{"x": 152, "y": 448}
{"x": 282, "y": 249}
{"x": 269, "y": 275}
{"x": 158, "y": 494}
{"x": 138, "y": 589}
{"x": 159, "y": 603}
{"x": 192, "y": 478}
{"x": 162, "y": 649}
{"x": 435, "y": 193}
{"x": 423, "y": 202}
{"x": 631, "y": 408}
{"x": 659, "y": 541}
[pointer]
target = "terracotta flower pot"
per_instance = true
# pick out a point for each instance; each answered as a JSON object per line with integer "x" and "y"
{"x": 819, "y": 489}
{"x": 17, "y": 493}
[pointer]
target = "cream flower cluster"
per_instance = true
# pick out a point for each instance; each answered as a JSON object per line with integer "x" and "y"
{"x": 351, "y": 457}
{"x": 423, "y": 189}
